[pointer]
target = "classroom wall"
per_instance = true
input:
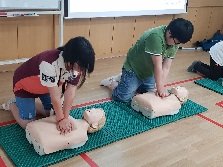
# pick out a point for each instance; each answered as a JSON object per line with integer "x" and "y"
{"x": 24, "y": 37}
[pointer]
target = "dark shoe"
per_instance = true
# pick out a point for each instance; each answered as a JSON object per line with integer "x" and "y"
{"x": 191, "y": 67}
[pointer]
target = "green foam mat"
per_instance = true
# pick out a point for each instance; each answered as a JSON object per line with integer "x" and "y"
{"x": 122, "y": 122}
{"x": 215, "y": 86}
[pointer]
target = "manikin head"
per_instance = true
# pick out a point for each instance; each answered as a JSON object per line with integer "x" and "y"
{"x": 181, "y": 93}
{"x": 95, "y": 118}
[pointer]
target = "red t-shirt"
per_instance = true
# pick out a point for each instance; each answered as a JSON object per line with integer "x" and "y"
{"x": 44, "y": 70}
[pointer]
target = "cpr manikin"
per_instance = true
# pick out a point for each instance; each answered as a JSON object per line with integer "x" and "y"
{"x": 152, "y": 106}
{"x": 46, "y": 139}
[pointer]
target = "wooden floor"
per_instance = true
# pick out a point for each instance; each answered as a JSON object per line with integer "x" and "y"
{"x": 189, "y": 142}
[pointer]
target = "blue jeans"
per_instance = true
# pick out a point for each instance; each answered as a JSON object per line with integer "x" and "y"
{"x": 129, "y": 84}
{"x": 27, "y": 108}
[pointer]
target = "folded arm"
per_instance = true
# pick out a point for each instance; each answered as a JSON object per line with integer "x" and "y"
{"x": 161, "y": 71}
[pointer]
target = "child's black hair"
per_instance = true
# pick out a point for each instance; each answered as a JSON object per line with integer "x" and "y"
{"x": 79, "y": 50}
{"x": 181, "y": 29}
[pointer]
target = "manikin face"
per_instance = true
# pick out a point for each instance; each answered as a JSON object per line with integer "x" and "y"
{"x": 93, "y": 115}
{"x": 180, "y": 92}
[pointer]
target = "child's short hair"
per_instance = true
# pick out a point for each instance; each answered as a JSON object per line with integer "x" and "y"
{"x": 181, "y": 29}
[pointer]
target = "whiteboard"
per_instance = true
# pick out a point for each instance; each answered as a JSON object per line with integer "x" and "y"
{"x": 29, "y": 5}
{"x": 119, "y": 8}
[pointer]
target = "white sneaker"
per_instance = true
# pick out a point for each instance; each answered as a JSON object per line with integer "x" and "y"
{"x": 118, "y": 77}
{"x": 109, "y": 80}
{"x": 5, "y": 106}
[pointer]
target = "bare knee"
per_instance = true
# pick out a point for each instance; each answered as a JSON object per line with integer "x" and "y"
{"x": 14, "y": 109}
{"x": 23, "y": 123}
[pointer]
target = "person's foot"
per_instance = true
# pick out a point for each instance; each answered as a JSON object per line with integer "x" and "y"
{"x": 191, "y": 67}
{"x": 109, "y": 80}
{"x": 5, "y": 106}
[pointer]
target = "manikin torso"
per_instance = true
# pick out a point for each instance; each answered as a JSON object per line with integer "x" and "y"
{"x": 45, "y": 133}
{"x": 153, "y": 106}
{"x": 46, "y": 139}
